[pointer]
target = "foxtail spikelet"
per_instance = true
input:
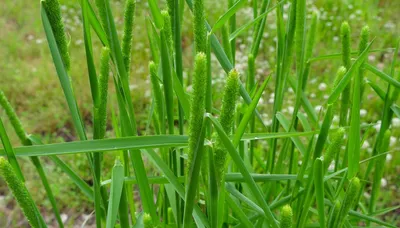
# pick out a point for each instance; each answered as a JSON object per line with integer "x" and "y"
{"x": 348, "y": 202}
{"x": 20, "y": 193}
{"x": 286, "y": 217}
{"x": 168, "y": 30}
{"x": 148, "y": 221}
{"x": 200, "y": 31}
{"x": 12, "y": 116}
{"x": 103, "y": 14}
{"x": 129, "y": 18}
{"x": 364, "y": 38}
{"x": 226, "y": 120}
{"x": 53, "y": 11}
{"x": 334, "y": 147}
{"x": 198, "y": 103}
{"x": 103, "y": 91}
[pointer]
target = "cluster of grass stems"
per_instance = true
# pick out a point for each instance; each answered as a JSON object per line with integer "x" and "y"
{"x": 206, "y": 168}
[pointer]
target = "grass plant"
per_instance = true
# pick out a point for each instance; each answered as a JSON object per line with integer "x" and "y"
{"x": 199, "y": 163}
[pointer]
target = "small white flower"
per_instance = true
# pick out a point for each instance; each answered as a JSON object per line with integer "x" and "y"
{"x": 322, "y": 86}
{"x": 363, "y": 112}
{"x": 393, "y": 140}
{"x": 336, "y": 118}
{"x": 389, "y": 157}
{"x": 271, "y": 100}
{"x": 312, "y": 95}
{"x": 365, "y": 145}
{"x": 396, "y": 122}
{"x": 383, "y": 182}
{"x": 318, "y": 108}
{"x": 332, "y": 166}
{"x": 290, "y": 109}
{"x": 378, "y": 125}
{"x": 336, "y": 38}
{"x": 371, "y": 58}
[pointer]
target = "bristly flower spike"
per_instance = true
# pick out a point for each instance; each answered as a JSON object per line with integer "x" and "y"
{"x": 200, "y": 32}
{"x": 286, "y": 217}
{"x": 21, "y": 194}
{"x": 53, "y": 11}
{"x": 197, "y": 108}
{"x": 129, "y": 19}
{"x": 226, "y": 119}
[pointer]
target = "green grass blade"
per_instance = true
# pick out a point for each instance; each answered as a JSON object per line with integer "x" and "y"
{"x": 167, "y": 81}
{"x": 85, "y": 188}
{"x": 199, "y": 217}
{"x": 243, "y": 169}
{"x": 377, "y": 89}
{"x": 319, "y": 189}
{"x": 102, "y": 145}
{"x": 249, "y": 113}
{"x": 347, "y": 77}
{"x": 155, "y": 11}
{"x": 89, "y": 52}
{"x": 63, "y": 76}
{"x": 248, "y": 25}
{"x": 117, "y": 183}
{"x": 227, "y": 15}
{"x": 354, "y": 133}
{"x": 286, "y": 125}
{"x": 237, "y": 210}
{"x": 194, "y": 176}
{"x": 232, "y": 190}
{"x": 9, "y": 152}
{"x": 182, "y": 96}
{"x": 382, "y": 75}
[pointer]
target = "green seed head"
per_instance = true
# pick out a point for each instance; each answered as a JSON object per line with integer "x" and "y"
{"x": 226, "y": 119}
{"x": 349, "y": 200}
{"x": 147, "y": 221}
{"x": 197, "y": 108}
{"x": 103, "y": 92}
{"x": 286, "y": 217}
{"x": 339, "y": 75}
{"x": 53, "y": 11}
{"x": 129, "y": 18}
{"x": 12, "y": 116}
{"x": 364, "y": 38}
{"x": 200, "y": 32}
{"x": 20, "y": 193}
{"x": 334, "y": 147}
{"x": 346, "y": 44}
{"x": 168, "y": 30}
